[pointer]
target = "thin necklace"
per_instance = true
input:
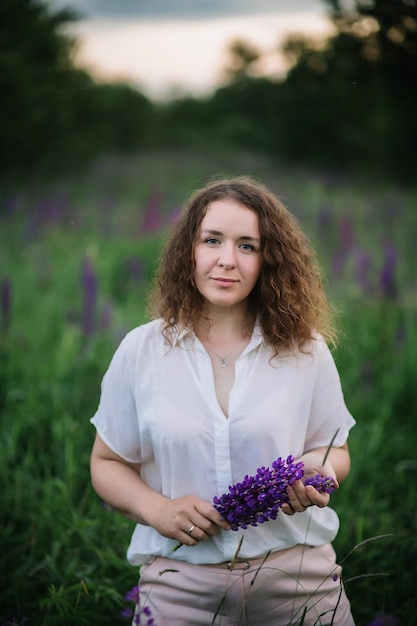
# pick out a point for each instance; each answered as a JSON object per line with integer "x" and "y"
{"x": 223, "y": 362}
{"x": 223, "y": 359}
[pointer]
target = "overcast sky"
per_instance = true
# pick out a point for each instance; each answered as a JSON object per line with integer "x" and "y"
{"x": 186, "y": 9}
{"x": 162, "y": 46}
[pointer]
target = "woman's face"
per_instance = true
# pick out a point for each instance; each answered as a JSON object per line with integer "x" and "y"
{"x": 227, "y": 254}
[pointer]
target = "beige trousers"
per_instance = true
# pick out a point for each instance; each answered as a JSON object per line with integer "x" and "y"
{"x": 297, "y": 586}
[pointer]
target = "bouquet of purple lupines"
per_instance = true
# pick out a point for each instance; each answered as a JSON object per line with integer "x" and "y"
{"x": 258, "y": 498}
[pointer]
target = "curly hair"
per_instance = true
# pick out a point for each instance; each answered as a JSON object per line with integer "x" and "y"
{"x": 288, "y": 299}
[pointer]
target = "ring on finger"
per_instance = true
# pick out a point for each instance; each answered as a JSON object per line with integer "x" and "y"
{"x": 191, "y": 529}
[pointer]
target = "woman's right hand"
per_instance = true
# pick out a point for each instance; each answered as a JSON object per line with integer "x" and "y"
{"x": 119, "y": 483}
{"x": 188, "y": 519}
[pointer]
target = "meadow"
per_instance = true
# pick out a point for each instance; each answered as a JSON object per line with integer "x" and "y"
{"x": 76, "y": 258}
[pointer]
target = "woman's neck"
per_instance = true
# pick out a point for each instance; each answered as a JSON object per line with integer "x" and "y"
{"x": 226, "y": 327}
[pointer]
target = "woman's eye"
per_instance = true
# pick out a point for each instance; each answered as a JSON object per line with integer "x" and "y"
{"x": 212, "y": 240}
{"x": 247, "y": 247}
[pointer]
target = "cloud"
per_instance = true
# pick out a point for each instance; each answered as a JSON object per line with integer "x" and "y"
{"x": 183, "y": 9}
{"x": 163, "y": 57}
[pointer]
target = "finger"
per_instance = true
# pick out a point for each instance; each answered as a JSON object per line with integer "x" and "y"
{"x": 210, "y": 520}
{"x": 298, "y": 499}
{"x": 191, "y": 538}
{"x": 190, "y": 530}
{"x": 319, "y": 499}
{"x": 204, "y": 529}
{"x": 197, "y": 533}
{"x": 287, "y": 509}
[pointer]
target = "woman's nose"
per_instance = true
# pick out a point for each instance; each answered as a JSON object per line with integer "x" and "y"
{"x": 227, "y": 257}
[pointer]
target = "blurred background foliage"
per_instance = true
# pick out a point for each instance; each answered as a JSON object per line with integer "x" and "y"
{"x": 349, "y": 103}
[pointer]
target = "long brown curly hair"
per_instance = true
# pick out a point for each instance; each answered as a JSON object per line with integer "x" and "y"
{"x": 288, "y": 298}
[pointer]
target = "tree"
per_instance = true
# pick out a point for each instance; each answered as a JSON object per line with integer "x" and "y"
{"x": 242, "y": 57}
{"x": 333, "y": 110}
{"x": 36, "y": 80}
{"x": 387, "y": 33}
{"x": 53, "y": 115}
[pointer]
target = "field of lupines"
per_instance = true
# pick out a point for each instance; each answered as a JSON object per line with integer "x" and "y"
{"x": 76, "y": 260}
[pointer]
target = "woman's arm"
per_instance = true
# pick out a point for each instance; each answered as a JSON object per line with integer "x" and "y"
{"x": 119, "y": 483}
{"x": 337, "y": 465}
{"x": 337, "y": 462}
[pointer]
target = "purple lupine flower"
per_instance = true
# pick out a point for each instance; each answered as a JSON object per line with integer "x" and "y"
{"x": 126, "y": 612}
{"x": 346, "y": 233}
{"x": 258, "y": 498}
{"x": 134, "y": 596}
{"x": 136, "y": 270}
{"x": 387, "y": 279}
{"x": 363, "y": 265}
{"x": 147, "y": 612}
{"x": 152, "y": 219}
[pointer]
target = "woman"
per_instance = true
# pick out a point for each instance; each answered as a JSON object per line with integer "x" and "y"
{"x": 232, "y": 372}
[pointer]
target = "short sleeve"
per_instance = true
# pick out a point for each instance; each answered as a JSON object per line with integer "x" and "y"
{"x": 116, "y": 419}
{"x": 329, "y": 416}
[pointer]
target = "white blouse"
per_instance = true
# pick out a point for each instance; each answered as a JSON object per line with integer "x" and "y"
{"x": 158, "y": 407}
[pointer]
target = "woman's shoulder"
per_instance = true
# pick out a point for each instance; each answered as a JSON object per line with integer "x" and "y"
{"x": 313, "y": 347}
{"x": 318, "y": 344}
{"x": 310, "y": 353}
{"x": 143, "y": 335}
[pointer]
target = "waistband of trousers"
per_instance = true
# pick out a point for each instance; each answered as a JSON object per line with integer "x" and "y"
{"x": 241, "y": 563}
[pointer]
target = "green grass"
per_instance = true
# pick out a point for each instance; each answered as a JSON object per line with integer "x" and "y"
{"x": 63, "y": 552}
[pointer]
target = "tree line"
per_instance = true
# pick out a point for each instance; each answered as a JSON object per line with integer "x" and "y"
{"x": 349, "y": 104}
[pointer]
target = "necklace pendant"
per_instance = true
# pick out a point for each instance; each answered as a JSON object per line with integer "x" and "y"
{"x": 223, "y": 363}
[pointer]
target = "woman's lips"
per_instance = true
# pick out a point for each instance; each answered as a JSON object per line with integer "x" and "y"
{"x": 224, "y": 281}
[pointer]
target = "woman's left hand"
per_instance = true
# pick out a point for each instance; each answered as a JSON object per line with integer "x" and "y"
{"x": 301, "y": 496}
